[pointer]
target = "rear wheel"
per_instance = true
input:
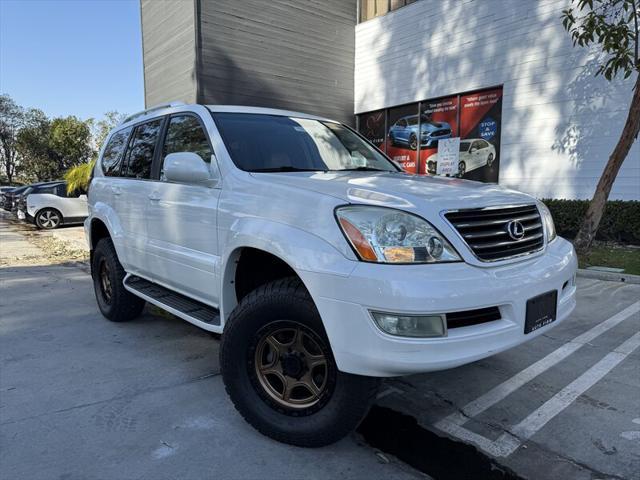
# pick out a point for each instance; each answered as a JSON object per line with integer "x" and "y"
{"x": 490, "y": 159}
{"x": 115, "y": 302}
{"x": 48, "y": 218}
{"x": 280, "y": 373}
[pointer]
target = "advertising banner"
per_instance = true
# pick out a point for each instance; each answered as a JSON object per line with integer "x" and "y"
{"x": 480, "y": 121}
{"x": 372, "y": 127}
{"x": 439, "y": 121}
{"x": 413, "y": 141}
{"x": 402, "y": 136}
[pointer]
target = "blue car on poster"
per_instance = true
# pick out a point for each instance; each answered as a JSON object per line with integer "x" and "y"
{"x": 405, "y": 132}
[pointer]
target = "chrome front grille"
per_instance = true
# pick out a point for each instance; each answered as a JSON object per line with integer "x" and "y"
{"x": 487, "y": 231}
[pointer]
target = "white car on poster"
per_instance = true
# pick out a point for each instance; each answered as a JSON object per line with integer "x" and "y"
{"x": 55, "y": 208}
{"x": 474, "y": 153}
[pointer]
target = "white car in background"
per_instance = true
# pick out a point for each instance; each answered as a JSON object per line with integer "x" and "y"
{"x": 51, "y": 207}
{"x": 474, "y": 153}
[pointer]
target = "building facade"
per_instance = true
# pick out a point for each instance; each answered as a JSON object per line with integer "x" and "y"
{"x": 491, "y": 88}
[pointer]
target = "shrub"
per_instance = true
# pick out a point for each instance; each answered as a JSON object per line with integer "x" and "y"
{"x": 620, "y": 222}
{"x": 78, "y": 177}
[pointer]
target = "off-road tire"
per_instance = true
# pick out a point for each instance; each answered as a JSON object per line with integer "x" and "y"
{"x": 123, "y": 305}
{"x": 351, "y": 395}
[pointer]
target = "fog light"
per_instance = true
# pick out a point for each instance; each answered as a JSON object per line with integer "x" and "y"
{"x": 411, "y": 325}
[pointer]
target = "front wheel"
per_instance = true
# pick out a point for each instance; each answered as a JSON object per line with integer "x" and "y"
{"x": 48, "y": 218}
{"x": 413, "y": 142}
{"x": 280, "y": 373}
{"x": 462, "y": 169}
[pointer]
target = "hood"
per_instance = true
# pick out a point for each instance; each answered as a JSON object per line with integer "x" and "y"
{"x": 400, "y": 190}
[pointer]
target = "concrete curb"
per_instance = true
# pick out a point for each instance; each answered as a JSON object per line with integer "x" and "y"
{"x": 609, "y": 277}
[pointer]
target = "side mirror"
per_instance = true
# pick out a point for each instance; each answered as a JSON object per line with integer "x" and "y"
{"x": 473, "y": 150}
{"x": 186, "y": 167}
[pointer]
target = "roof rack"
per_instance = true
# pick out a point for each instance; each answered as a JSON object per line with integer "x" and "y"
{"x": 151, "y": 109}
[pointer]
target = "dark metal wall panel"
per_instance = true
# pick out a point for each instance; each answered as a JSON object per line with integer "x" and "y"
{"x": 169, "y": 50}
{"x": 293, "y": 54}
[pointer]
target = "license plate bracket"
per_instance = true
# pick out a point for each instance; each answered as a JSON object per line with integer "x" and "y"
{"x": 541, "y": 311}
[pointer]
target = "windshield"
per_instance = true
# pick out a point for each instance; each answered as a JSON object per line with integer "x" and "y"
{"x": 271, "y": 143}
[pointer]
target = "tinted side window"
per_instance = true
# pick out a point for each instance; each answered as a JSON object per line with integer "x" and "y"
{"x": 142, "y": 148}
{"x": 112, "y": 157}
{"x": 185, "y": 134}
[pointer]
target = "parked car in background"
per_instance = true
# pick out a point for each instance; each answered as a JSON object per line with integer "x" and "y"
{"x": 405, "y": 132}
{"x": 48, "y": 206}
{"x": 474, "y": 153}
{"x": 19, "y": 204}
{"x": 3, "y": 193}
{"x": 9, "y": 196}
{"x": 323, "y": 265}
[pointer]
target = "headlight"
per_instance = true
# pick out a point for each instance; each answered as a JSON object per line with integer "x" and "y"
{"x": 386, "y": 235}
{"x": 547, "y": 219}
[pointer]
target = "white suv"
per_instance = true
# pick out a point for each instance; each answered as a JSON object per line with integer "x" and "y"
{"x": 323, "y": 265}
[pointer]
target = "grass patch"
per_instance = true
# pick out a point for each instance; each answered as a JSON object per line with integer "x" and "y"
{"x": 616, "y": 256}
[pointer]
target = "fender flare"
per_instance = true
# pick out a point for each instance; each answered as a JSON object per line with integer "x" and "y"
{"x": 299, "y": 249}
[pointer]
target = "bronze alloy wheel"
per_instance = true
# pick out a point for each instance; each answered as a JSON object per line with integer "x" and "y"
{"x": 105, "y": 282}
{"x": 292, "y": 367}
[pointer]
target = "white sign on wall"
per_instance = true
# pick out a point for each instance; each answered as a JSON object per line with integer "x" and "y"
{"x": 448, "y": 156}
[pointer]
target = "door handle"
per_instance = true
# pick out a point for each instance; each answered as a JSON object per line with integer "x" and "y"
{"x": 116, "y": 190}
{"x": 154, "y": 197}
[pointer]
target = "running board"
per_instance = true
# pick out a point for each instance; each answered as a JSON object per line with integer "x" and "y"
{"x": 192, "y": 311}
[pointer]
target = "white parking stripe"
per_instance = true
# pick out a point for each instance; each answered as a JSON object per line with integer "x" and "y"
{"x": 565, "y": 397}
{"x": 507, "y": 443}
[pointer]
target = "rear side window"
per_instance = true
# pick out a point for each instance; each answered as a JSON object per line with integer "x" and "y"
{"x": 112, "y": 157}
{"x": 142, "y": 149}
{"x": 185, "y": 134}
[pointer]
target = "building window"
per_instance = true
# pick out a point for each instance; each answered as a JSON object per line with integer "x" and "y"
{"x": 374, "y": 8}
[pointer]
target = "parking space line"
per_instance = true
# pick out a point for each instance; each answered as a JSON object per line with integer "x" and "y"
{"x": 565, "y": 397}
{"x": 507, "y": 443}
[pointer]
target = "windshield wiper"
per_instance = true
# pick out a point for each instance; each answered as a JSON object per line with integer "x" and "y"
{"x": 286, "y": 168}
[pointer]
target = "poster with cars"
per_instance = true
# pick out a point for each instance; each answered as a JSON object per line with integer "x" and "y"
{"x": 412, "y": 140}
{"x": 372, "y": 126}
{"x": 480, "y": 121}
{"x": 402, "y": 136}
{"x": 439, "y": 121}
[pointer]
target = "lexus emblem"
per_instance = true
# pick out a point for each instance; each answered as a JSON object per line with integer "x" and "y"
{"x": 515, "y": 229}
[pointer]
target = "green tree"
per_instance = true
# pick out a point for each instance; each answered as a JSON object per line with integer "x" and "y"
{"x": 12, "y": 118}
{"x": 613, "y": 25}
{"x": 37, "y": 161}
{"x": 70, "y": 142}
{"x": 48, "y": 148}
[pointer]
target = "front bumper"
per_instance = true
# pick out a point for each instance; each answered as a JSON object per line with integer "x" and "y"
{"x": 361, "y": 348}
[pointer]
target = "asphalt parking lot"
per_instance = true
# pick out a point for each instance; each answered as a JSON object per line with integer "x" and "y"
{"x": 83, "y": 398}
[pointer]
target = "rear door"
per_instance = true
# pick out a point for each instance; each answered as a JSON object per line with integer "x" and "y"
{"x": 131, "y": 191}
{"x": 182, "y": 234}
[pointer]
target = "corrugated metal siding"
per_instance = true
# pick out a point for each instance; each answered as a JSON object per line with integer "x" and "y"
{"x": 169, "y": 50}
{"x": 290, "y": 54}
{"x": 559, "y": 122}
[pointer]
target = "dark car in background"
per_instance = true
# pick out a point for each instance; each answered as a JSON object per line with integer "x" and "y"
{"x": 9, "y": 197}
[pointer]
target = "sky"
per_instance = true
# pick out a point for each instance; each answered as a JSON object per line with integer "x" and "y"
{"x": 72, "y": 57}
